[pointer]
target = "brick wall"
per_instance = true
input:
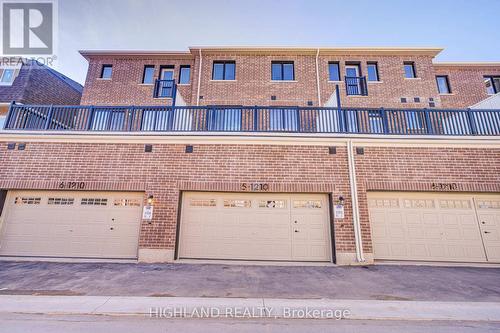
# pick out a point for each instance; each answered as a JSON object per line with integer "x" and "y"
{"x": 253, "y": 84}
{"x": 125, "y": 86}
{"x": 216, "y": 167}
{"x": 415, "y": 169}
{"x": 466, "y": 83}
{"x": 392, "y": 85}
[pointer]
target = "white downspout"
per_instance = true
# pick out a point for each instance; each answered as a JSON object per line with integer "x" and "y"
{"x": 317, "y": 78}
{"x": 199, "y": 80}
{"x": 355, "y": 207}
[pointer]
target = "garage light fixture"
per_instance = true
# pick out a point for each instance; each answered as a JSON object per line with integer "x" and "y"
{"x": 341, "y": 200}
{"x": 150, "y": 200}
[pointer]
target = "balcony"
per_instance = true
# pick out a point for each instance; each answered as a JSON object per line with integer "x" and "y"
{"x": 204, "y": 119}
{"x": 164, "y": 89}
{"x": 356, "y": 86}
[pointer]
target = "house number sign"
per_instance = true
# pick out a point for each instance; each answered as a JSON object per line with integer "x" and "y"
{"x": 255, "y": 187}
{"x": 72, "y": 185}
{"x": 444, "y": 186}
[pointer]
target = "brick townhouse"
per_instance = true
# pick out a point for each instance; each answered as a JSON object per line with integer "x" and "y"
{"x": 341, "y": 155}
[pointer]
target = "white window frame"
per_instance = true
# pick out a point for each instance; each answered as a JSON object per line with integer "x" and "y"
{"x": 13, "y": 76}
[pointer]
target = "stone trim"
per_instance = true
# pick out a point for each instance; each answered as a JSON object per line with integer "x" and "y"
{"x": 273, "y": 187}
{"x": 427, "y": 187}
{"x": 54, "y": 185}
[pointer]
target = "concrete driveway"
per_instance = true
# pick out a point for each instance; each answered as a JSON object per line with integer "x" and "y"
{"x": 381, "y": 282}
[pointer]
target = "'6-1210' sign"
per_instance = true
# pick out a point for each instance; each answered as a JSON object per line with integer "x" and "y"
{"x": 72, "y": 185}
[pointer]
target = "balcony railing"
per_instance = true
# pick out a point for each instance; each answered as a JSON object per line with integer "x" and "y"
{"x": 356, "y": 85}
{"x": 164, "y": 89}
{"x": 253, "y": 119}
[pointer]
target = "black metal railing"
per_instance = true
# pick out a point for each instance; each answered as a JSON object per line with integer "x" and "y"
{"x": 164, "y": 89}
{"x": 253, "y": 119}
{"x": 356, "y": 85}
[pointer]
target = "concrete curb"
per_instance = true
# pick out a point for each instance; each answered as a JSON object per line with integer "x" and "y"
{"x": 167, "y": 307}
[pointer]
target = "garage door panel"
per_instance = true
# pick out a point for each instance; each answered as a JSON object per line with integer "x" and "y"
{"x": 253, "y": 227}
{"x": 435, "y": 226}
{"x": 71, "y": 224}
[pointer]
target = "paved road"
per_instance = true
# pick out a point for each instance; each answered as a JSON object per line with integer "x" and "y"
{"x": 380, "y": 282}
{"x": 97, "y": 324}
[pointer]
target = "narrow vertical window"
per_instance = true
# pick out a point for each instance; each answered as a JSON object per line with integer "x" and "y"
{"x": 492, "y": 84}
{"x": 443, "y": 84}
{"x": 410, "y": 72}
{"x": 106, "y": 71}
{"x": 333, "y": 71}
{"x": 184, "y": 75}
{"x": 372, "y": 68}
{"x": 148, "y": 75}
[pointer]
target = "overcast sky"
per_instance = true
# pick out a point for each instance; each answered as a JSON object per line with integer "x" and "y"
{"x": 467, "y": 29}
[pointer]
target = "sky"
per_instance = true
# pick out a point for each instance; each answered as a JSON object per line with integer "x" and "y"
{"x": 467, "y": 29}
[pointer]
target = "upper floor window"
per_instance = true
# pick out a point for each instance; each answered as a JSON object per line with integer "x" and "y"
{"x": 372, "y": 69}
{"x": 282, "y": 71}
{"x": 443, "y": 84}
{"x": 148, "y": 75}
{"x": 7, "y": 76}
{"x": 333, "y": 71}
{"x": 224, "y": 70}
{"x": 492, "y": 84}
{"x": 185, "y": 73}
{"x": 410, "y": 72}
{"x": 106, "y": 71}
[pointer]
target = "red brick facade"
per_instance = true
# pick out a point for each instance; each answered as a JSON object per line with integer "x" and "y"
{"x": 253, "y": 84}
{"x": 295, "y": 165}
{"x": 168, "y": 171}
{"x": 466, "y": 83}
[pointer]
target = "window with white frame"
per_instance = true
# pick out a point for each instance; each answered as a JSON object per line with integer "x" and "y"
{"x": 7, "y": 76}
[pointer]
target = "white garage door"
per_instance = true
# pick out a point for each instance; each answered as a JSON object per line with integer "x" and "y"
{"x": 71, "y": 224}
{"x": 252, "y": 226}
{"x": 435, "y": 227}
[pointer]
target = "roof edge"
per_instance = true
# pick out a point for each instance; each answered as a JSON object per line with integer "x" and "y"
{"x": 433, "y": 51}
{"x": 468, "y": 63}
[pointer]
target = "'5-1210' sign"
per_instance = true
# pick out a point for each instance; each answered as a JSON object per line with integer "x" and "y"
{"x": 255, "y": 187}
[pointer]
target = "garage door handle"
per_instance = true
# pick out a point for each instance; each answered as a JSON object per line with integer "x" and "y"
{"x": 487, "y": 232}
{"x": 296, "y": 230}
{"x": 111, "y": 228}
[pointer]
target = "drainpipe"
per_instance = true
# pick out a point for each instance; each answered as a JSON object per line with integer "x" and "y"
{"x": 317, "y": 78}
{"x": 199, "y": 80}
{"x": 355, "y": 206}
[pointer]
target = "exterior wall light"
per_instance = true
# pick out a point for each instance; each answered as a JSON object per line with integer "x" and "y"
{"x": 150, "y": 200}
{"x": 341, "y": 200}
